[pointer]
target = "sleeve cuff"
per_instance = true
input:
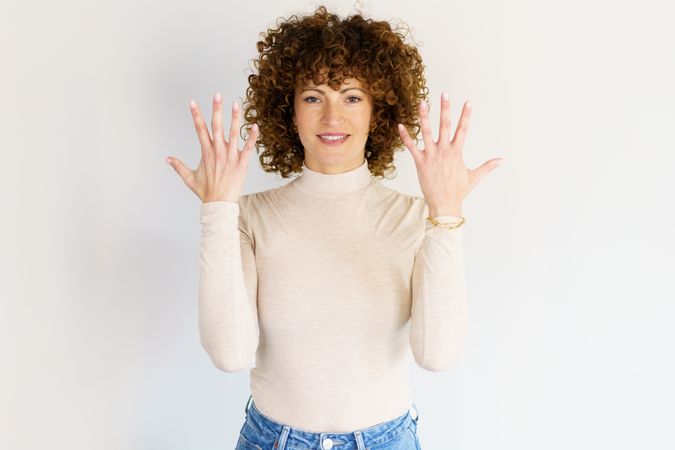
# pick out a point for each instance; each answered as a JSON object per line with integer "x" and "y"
{"x": 214, "y": 211}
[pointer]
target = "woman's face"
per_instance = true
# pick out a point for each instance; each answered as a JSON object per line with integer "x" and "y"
{"x": 333, "y": 126}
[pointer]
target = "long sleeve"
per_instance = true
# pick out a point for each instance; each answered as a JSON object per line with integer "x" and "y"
{"x": 228, "y": 319}
{"x": 439, "y": 301}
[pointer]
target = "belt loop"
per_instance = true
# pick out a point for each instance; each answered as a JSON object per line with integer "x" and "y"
{"x": 359, "y": 441}
{"x": 280, "y": 443}
{"x": 414, "y": 413}
{"x": 248, "y": 402}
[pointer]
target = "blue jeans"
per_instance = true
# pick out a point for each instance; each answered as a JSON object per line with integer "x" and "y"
{"x": 259, "y": 432}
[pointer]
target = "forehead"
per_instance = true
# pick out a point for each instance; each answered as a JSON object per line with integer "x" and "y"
{"x": 309, "y": 81}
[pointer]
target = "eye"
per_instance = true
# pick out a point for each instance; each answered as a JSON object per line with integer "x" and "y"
{"x": 310, "y": 97}
{"x": 358, "y": 99}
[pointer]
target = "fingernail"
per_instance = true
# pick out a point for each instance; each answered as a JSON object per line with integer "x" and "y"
{"x": 499, "y": 162}
{"x": 235, "y": 106}
{"x": 218, "y": 97}
{"x": 168, "y": 161}
{"x": 193, "y": 104}
{"x": 424, "y": 105}
{"x": 445, "y": 96}
{"x": 468, "y": 104}
{"x": 255, "y": 127}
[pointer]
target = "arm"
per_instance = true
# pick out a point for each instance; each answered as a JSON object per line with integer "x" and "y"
{"x": 439, "y": 302}
{"x": 439, "y": 311}
{"x": 228, "y": 318}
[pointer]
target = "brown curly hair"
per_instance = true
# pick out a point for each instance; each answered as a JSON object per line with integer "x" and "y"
{"x": 326, "y": 49}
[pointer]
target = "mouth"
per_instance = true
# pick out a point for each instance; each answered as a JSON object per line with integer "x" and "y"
{"x": 333, "y": 138}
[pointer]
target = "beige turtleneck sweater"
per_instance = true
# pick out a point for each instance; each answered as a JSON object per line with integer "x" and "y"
{"x": 327, "y": 284}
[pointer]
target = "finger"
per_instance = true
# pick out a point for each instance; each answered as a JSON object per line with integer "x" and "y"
{"x": 479, "y": 172}
{"x": 410, "y": 145}
{"x": 250, "y": 143}
{"x": 202, "y": 131}
{"x": 462, "y": 126}
{"x": 181, "y": 169}
{"x": 426, "y": 129}
{"x": 217, "y": 121}
{"x": 233, "y": 140}
{"x": 446, "y": 121}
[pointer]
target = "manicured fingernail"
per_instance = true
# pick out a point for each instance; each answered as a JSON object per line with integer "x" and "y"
{"x": 445, "y": 96}
{"x": 255, "y": 127}
{"x": 424, "y": 105}
{"x": 235, "y": 106}
{"x": 468, "y": 104}
{"x": 168, "y": 161}
{"x": 193, "y": 104}
{"x": 218, "y": 97}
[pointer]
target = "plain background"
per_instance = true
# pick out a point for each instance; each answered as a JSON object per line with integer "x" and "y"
{"x": 569, "y": 247}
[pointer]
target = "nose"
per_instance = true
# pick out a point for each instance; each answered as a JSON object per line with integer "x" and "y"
{"x": 331, "y": 114}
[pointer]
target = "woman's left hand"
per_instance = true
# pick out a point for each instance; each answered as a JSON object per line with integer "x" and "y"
{"x": 444, "y": 178}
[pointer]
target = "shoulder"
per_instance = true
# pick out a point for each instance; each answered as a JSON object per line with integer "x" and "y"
{"x": 411, "y": 203}
{"x": 253, "y": 199}
{"x": 253, "y": 205}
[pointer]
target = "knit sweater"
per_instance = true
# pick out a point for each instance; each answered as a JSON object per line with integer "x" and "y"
{"x": 328, "y": 284}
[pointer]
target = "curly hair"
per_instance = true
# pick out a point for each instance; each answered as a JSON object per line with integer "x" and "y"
{"x": 326, "y": 49}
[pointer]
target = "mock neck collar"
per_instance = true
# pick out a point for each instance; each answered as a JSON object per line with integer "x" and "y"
{"x": 331, "y": 185}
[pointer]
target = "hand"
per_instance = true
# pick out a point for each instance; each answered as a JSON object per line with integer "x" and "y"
{"x": 222, "y": 169}
{"x": 444, "y": 178}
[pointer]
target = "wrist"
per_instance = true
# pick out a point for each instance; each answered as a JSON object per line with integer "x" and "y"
{"x": 446, "y": 210}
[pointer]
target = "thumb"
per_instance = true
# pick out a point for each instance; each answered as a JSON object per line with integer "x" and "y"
{"x": 183, "y": 171}
{"x": 488, "y": 167}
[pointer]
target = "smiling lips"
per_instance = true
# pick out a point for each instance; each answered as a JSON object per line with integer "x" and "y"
{"x": 333, "y": 139}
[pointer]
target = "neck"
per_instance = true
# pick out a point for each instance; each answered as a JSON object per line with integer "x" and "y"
{"x": 329, "y": 185}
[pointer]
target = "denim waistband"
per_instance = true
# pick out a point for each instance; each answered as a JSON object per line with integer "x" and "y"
{"x": 284, "y": 435}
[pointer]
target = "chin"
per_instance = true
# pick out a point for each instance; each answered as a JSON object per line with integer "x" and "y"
{"x": 334, "y": 156}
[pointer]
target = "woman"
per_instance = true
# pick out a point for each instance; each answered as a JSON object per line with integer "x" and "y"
{"x": 326, "y": 282}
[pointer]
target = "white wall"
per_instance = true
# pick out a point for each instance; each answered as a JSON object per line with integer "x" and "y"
{"x": 568, "y": 244}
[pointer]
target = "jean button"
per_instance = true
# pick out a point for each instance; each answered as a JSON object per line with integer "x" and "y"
{"x": 327, "y": 444}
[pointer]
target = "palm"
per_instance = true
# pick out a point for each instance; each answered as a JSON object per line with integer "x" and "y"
{"x": 444, "y": 178}
{"x": 222, "y": 168}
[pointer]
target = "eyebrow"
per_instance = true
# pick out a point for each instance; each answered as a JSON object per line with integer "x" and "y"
{"x": 323, "y": 92}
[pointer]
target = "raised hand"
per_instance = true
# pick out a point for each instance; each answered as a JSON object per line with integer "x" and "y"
{"x": 222, "y": 169}
{"x": 444, "y": 178}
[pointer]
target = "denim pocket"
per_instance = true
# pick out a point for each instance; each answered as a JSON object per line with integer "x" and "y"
{"x": 245, "y": 444}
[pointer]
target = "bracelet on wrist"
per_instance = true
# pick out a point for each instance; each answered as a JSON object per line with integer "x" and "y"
{"x": 447, "y": 225}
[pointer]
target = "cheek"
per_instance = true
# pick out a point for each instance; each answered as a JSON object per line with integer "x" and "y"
{"x": 367, "y": 112}
{"x": 302, "y": 117}
{"x": 364, "y": 120}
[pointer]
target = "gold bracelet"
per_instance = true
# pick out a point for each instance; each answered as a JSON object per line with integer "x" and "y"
{"x": 447, "y": 225}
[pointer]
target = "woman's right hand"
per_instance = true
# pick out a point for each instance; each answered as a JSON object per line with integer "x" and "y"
{"x": 222, "y": 169}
